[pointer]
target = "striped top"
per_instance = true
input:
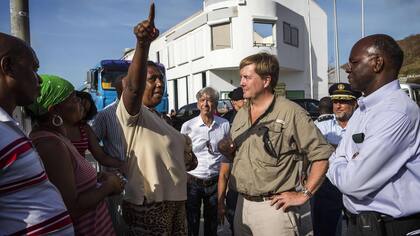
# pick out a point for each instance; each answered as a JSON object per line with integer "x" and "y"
{"x": 29, "y": 203}
{"x": 108, "y": 129}
{"x": 83, "y": 143}
{"x": 97, "y": 221}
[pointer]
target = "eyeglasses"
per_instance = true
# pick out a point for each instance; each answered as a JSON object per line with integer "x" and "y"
{"x": 268, "y": 145}
{"x": 353, "y": 62}
{"x": 209, "y": 147}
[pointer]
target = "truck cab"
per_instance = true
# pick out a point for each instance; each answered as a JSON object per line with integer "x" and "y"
{"x": 99, "y": 83}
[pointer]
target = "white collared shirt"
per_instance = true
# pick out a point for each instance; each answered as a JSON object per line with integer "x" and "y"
{"x": 331, "y": 130}
{"x": 208, "y": 163}
{"x": 380, "y": 171}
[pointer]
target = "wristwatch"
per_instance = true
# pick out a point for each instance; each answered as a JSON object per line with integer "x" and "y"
{"x": 306, "y": 192}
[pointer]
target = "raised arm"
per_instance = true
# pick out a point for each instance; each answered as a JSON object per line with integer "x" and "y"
{"x": 145, "y": 33}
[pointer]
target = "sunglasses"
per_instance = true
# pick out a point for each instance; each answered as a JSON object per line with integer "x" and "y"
{"x": 209, "y": 147}
{"x": 268, "y": 145}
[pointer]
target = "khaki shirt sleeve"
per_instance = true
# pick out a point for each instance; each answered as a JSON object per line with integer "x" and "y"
{"x": 310, "y": 140}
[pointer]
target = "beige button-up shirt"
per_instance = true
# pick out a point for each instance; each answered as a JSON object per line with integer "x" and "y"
{"x": 155, "y": 153}
{"x": 290, "y": 136}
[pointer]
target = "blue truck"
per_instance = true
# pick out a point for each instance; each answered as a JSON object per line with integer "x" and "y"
{"x": 99, "y": 83}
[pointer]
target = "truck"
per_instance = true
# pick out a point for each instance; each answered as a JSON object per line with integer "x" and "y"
{"x": 99, "y": 83}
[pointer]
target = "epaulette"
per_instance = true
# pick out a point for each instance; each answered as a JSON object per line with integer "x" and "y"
{"x": 324, "y": 118}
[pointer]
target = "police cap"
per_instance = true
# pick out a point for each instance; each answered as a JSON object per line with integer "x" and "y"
{"x": 343, "y": 91}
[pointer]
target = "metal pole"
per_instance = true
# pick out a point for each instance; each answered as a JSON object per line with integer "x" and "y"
{"x": 19, "y": 19}
{"x": 19, "y": 25}
{"x": 310, "y": 51}
{"x": 363, "y": 19}
{"x": 337, "y": 59}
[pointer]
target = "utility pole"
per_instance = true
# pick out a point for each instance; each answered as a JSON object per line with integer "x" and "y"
{"x": 337, "y": 57}
{"x": 363, "y": 19}
{"x": 310, "y": 49}
{"x": 19, "y": 25}
{"x": 19, "y": 19}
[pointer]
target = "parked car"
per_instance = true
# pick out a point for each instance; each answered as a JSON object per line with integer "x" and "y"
{"x": 310, "y": 105}
{"x": 190, "y": 111}
{"x": 413, "y": 91}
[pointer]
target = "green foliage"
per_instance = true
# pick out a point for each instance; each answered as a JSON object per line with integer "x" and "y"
{"x": 411, "y": 47}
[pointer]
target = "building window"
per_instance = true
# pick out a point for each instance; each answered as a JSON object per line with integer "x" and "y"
{"x": 171, "y": 56}
{"x": 263, "y": 34}
{"x": 220, "y": 36}
{"x": 175, "y": 94}
{"x": 290, "y": 35}
{"x": 203, "y": 79}
{"x": 157, "y": 57}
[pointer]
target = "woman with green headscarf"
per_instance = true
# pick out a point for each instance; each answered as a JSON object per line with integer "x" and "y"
{"x": 73, "y": 175}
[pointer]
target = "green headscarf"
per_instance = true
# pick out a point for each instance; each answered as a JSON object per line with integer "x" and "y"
{"x": 54, "y": 90}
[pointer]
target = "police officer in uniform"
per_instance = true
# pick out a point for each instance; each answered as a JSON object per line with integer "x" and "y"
{"x": 327, "y": 204}
{"x": 325, "y": 109}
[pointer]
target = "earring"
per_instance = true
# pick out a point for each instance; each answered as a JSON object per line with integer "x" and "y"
{"x": 57, "y": 120}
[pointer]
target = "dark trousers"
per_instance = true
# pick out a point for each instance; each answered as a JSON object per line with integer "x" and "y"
{"x": 327, "y": 207}
{"x": 375, "y": 224}
{"x": 206, "y": 194}
{"x": 231, "y": 199}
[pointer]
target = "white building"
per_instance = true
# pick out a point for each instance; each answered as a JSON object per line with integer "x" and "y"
{"x": 205, "y": 49}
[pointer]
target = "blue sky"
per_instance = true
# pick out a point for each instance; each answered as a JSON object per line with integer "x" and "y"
{"x": 70, "y": 37}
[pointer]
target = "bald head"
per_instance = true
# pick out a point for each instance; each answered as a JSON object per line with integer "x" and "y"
{"x": 387, "y": 47}
{"x": 19, "y": 82}
{"x": 12, "y": 46}
{"x": 374, "y": 61}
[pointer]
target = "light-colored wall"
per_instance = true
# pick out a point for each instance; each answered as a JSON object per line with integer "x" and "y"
{"x": 191, "y": 53}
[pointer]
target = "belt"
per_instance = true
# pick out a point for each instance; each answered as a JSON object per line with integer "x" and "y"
{"x": 257, "y": 198}
{"x": 203, "y": 182}
{"x": 386, "y": 218}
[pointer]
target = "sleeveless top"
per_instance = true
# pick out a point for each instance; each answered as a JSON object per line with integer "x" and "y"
{"x": 83, "y": 143}
{"x": 29, "y": 203}
{"x": 97, "y": 221}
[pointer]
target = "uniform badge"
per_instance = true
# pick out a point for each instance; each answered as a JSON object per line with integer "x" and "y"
{"x": 341, "y": 87}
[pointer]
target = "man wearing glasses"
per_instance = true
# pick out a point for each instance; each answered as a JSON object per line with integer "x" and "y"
{"x": 274, "y": 141}
{"x": 327, "y": 204}
{"x": 205, "y": 131}
{"x": 377, "y": 163}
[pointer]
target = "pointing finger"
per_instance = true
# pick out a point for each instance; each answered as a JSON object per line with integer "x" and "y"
{"x": 151, "y": 18}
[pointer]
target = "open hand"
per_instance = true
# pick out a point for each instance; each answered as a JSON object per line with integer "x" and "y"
{"x": 288, "y": 199}
{"x": 113, "y": 181}
{"x": 221, "y": 212}
{"x": 146, "y": 31}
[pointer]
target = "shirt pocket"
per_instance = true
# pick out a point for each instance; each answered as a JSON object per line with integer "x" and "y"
{"x": 271, "y": 144}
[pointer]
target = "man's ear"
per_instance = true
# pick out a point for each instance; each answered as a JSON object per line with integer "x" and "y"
{"x": 378, "y": 65}
{"x": 6, "y": 65}
{"x": 267, "y": 81}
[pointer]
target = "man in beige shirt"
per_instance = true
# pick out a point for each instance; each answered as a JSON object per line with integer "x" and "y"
{"x": 154, "y": 201}
{"x": 274, "y": 142}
